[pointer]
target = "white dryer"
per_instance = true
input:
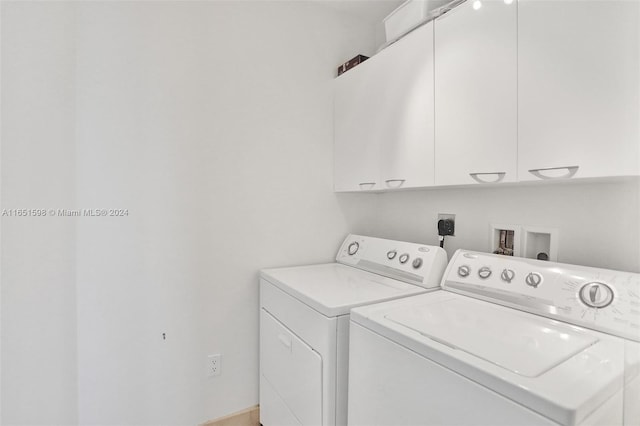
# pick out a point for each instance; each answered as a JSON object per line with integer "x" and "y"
{"x": 508, "y": 341}
{"x": 304, "y": 323}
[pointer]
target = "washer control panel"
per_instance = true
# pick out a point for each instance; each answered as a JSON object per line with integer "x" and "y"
{"x": 601, "y": 299}
{"x": 409, "y": 262}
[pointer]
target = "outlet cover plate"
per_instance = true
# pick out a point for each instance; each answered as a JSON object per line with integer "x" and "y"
{"x": 444, "y": 216}
{"x": 214, "y": 365}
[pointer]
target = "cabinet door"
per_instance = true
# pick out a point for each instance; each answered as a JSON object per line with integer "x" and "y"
{"x": 405, "y": 72}
{"x": 476, "y": 93}
{"x": 357, "y": 129}
{"x": 579, "y": 107}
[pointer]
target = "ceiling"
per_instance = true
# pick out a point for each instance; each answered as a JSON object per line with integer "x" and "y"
{"x": 372, "y": 11}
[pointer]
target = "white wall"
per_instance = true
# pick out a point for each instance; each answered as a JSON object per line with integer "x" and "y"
{"x": 212, "y": 123}
{"x": 598, "y": 223}
{"x": 38, "y": 323}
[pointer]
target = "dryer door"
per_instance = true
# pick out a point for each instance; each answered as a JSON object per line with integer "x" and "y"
{"x": 292, "y": 368}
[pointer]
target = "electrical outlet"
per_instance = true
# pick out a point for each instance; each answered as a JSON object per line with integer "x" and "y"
{"x": 447, "y": 216}
{"x": 214, "y": 365}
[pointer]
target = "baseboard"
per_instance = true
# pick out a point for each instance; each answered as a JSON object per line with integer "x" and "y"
{"x": 247, "y": 417}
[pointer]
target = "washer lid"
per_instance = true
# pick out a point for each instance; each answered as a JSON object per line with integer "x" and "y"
{"x": 333, "y": 289}
{"x": 525, "y": 346}
{"x": 508, "y": 351}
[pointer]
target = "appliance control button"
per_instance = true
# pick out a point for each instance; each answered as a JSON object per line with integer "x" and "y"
{"x": 533, "y": 279}
{"x": 417, "y": 262}
{"x": 353, "y": 248}
{"x": 507, "y": 275}
{"x": 464, "y": 271}
{"x": 404, "y": 258}
{"x": 596, "y": 295}
{"x": 484, "y": 272}
{"x": 391, "y": 254}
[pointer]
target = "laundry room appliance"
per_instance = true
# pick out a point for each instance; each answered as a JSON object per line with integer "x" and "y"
{"x": 304, "y": 323}
{"x": 508, "y": 341}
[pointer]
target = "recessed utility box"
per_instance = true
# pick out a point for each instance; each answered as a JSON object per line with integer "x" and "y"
{"x": 504, "y": 239}
{"x": 532, "y": 242}
{"x": 540, "y": 243}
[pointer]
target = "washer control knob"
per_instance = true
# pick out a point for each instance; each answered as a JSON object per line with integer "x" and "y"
{"x": 464, "y": 271}
{"x": 353, "y": 248}
{"x": 484, "y": 272}
{"x": 403, "y": 258}
{"x": 417, "y": 262}
{"x": 391, "y": 254}
{"x": 507, "y": 275}
{"x": 596, "y": 295}
{"x": 533, "y": 279}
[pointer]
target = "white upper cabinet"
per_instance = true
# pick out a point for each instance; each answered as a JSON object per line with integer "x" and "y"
{"x": 384, "y": 111}
{"x": 356, "y": 141}
{"x": 579, "y": 93}
{"x": 476, "y": 93}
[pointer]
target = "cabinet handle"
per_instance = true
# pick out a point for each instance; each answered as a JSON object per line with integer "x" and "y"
{"x": 285, "y": 340}
{"x": 399, "y": 183}
{"x": 499, "y": 176}
{"x": 571, "y": 170}
{"x": 367, "y": 185}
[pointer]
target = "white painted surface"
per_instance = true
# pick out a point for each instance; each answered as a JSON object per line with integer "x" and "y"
{"x": 585, "y": 111}
{"x": 38, "y": 272}
{"x": 476, "y": 73}
{"x": 185, "y": 129}
{"x": 189, "y": 115}
{"x": 384, "y": 118}
{"x": 583, "y": 213}
{"x": 212, "y": 123}
{"x": 358, "y": 97}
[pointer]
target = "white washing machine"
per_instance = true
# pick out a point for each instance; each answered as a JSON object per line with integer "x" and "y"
{"x": 508, "y": 341}
{"x": 304, "y": 323}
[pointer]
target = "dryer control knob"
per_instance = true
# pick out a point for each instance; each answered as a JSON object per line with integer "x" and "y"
{"x": 353, "y": 248}
{"x": 596, "y": 295}
{"x": 403, "y": 258}
{"x": 391, "y": 254}
{"x": 484, "y": 272}
{"x": 507, "y": 275}
{"x": 417, "y": 262}
{"x": 464, "y": 271}
{"x": 533, "y": 279}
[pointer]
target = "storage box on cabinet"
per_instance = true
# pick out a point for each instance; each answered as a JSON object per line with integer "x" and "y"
{"x": 383, "y": 111}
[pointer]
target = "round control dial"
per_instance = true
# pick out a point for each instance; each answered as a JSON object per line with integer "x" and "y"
{"x": 391, "y": 254}
{"x": 403, "y": 258}
{"x": 353, "y": 248}
{"x": 464, "y": 271}
{"x": 484, "y": 272}
{"x": 507, "y": 275}
{"x": 596, "y": 295}
{"x": 417, "y": 262}
{"x": 533, "y": 279}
